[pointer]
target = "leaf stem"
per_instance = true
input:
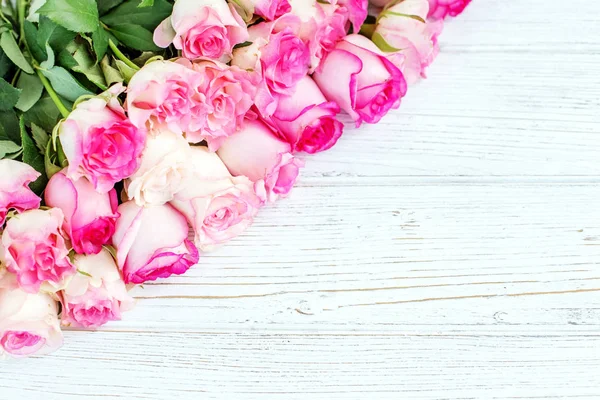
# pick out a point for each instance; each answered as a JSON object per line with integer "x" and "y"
{"x": 53, "y": 95}
{"x": 122, "y": 56}
{"x": 21, "y": 4}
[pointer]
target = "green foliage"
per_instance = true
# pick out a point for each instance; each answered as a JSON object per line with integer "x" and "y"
{"x": 13, "y": 52}
{"x": 135, "y": 36}
{"x": 64, "y": 83}
{"x": 33, "y": 157}
{"x": 8, "y": 147}
{"x": 9, "y": 95}
{"x": 32, "y": 90}
{"x": 9, "y": 126}
{"x": 74, "y": 15}
{"x": 129, "y": 13}
{"x": 44, "y": 114}
{"x": 77, "y": 57}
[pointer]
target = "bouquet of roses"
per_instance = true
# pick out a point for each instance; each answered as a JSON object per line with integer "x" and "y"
{"x": 124, "y": 123}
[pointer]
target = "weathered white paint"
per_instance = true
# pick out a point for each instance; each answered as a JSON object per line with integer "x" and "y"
{"x": 450, "y": 252}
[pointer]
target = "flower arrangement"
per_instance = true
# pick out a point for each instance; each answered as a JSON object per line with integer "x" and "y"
{"x": 125, "y": 123}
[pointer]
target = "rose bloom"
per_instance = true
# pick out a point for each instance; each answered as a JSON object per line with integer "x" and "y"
{"x": 152, "y": 243}
{"x": 217, "y": 205}
{"x": 28, "y": 323}
{"x": 202, "y": 28}
{"x": 271, "y": 9}
{"x": 265, "y": 159}
{"x": 281, "y": 57}
{"x": 96, "y": 295}
{"x": 99, "y": 141}
{"x": 226, "y": 94}
{"x": 164, "y": 166}
{"x": 356, "y": 11}
{"x": 403, "y": 26}
{"x": 90, "y": 216}
{"x": 361, "y": 80}
{"x": 33, "y": 248}
{"x": 307, "y": 120}
{"x": 440, "y": 9}
{"x": 14, "y": 188}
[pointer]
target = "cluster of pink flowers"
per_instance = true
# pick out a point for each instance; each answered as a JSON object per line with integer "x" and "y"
{"x": 202, "y": 142}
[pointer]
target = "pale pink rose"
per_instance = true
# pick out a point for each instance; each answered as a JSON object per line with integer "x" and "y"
{"x": 361, "y": 80}
{"x": 14, "y": 188}
{"x": 402, "y": 28}
{"x": 33, "y": 248}
{"x": 265, "y": 159}
{"x": 440, "y": 9}
{"x": 152, "y": 243}
{"x": 217, "y": 205}
{"x": 307, "y": 120}
{"x": 271, "y": 9}
{"x": 226, "y": 94}
{"x": 164, "y": 93}
{"x": 279, "y": 54}
{"x": 164, "y": 166}
{"x": 356, "y": 11}
{"x": 28, "y": 323}
{"x": 100, "y": 142}
{"x": 202, "y": 28}
{"x": 90, "y": 216}
{"x": 95, "y": 295}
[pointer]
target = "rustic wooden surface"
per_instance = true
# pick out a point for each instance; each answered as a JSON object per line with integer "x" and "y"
{"x": 450, "y": 252}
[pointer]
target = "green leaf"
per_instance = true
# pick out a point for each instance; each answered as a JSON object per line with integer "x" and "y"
{"x": 134, "y": 36}
{"x": 9, "y": 126}
{"x": 112, "y": 75}
{"x": 7, "y": 147}
{"x": 53, "y": 34}
{"x": 40, "y": 137}
{"x": 49, "y": 63}
{"x": 78, "y": 58}
{"x": 9, "y": 95}
{"x": 64, "y": 83}
{"x": 44, "y": 114}
{"x": 50, "y": 159}
{"x": 32, "y": 91}
{"x": 12, "y": 51}
{"x": 75, "y": 15}
{"x": 146, "y": 3}
{"x": 5, "y": 63}
{"x": 126, "y": 71}
{"x": 130, "y": 13}
{"x": 104, "y": 6}
{"x": 100, "y": 43}
{"x": 31, "y": 37}
{"x": 32, "y": 156}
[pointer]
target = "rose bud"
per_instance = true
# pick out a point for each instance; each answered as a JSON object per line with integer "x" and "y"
{"x": 28, "y": 323}
{"x": 361, "y": 80}
{"x": 99, "y": 141}
{"x": 164, "y": 166}
{"x": 202, "y": 28}
{"x": 96, "y": 294}
{"x": 14, "y": 188}
{"x": 265, "y": 159}
{"x": 307, "y": 120}
{"x": 152, "y": 243}
{"x": 440, "y": 9}
{"x": 33, "y": 248}
{"x": 403, "y": 26}
{"x": 218, "y": 206}
{"x": 90, "y": 216}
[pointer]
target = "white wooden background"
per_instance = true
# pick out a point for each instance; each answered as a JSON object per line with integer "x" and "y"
{"x": 450, "y": 252}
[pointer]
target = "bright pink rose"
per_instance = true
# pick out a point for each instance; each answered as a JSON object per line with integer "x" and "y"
{"x": 226, "y": 94}
{"x": 32, "y": 248}
{"x": 28, "y": 323}
{"x": 403, "y": 27}
{"x": 440, "y": 9}
{"x": 14, "y": 188}
{"x": 202, "y": 28}
{"x": 218, "y": 206}
{"x": 356, "y": 11}
{"x": 96, "y": 295}
{"x": 271, "y": 9}
{"x": 100, "y": 142}
{"x": 164, "y": 93}
{"x": 279, "y": 54}
{"x": 361, "y": 80}
{"x": 257, "y": 153}
{"x": 90, "y": 216}
{"x": 152, "y": 243}
{"x": 307, "y": 120}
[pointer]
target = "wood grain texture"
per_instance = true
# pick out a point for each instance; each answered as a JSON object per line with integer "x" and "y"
{"x": 450, "y": 252}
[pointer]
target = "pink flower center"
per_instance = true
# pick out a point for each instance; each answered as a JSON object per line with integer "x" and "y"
{"x": 21, "y": 343}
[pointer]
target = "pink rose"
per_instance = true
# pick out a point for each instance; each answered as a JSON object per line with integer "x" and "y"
{"x": 225, "y": 95}
{"x": 95, "y": 296}
{"x": 271, "y": 9}
{"x": 90, "y": 216}
{"x": 279, "y": 54}
{"x": 257, "y": 153}
{"x": 14, "y": 188}
{"x": 307, "y": 120}
{"x": 28, "y": 323}
{"x": 402, "y": 27}
{"x": 32, "y": 248}
{"x": 440, "y": 9}
{"x": 218, "y": 206}
{"x": 356, "y": 11}
{"x": 152, "y": 243}
{"x": 99, "y": 141}
{"x": 361, "y": 80}
{"x": 202, "y": 28}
